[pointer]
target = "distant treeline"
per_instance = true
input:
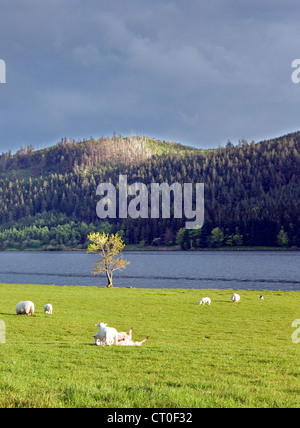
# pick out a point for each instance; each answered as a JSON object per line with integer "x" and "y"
{"x": 252, "y": 192}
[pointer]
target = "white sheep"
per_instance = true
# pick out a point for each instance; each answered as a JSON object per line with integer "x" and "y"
{"x": 125, "y": 339}
{"x": 105, "y": 335}
{"x": 111, "y": 336}
{"x": 261, "y": 297}
{"x": 48, "y": 308}
{"x": 235, "y": 297}
{"x": 205, "y": 300}
{"x": 128, "y": 342}
{"x": 100, "y": 336}
{"x": 25, "y": 308}
{"x": 122, "y": 335}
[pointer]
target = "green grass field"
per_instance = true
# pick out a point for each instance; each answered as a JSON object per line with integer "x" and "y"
{"x": 223, "y": 355}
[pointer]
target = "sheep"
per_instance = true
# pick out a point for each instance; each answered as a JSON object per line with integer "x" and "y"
{"x": 25, "y": 308}
{"x": 105, "y": 335}
{"x": 100, "y": 336}
{"x": 125, "y": 339}
{"x": 48, "y": 308}
{"x": 261, "y": 297}
{"x": 235, "y": 297}
{"x": 122, "y": 335}
{"x": 128, "y": 342}
{"x": 111, "y": 336}
{"x": 205, "y": 300}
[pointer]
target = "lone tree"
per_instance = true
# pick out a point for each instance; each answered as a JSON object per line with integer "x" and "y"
{"x": 109, "y": 248}
{"x": 282, "y": 238}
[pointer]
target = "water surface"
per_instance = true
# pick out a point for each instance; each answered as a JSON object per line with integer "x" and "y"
{"x": 259, "y": 270}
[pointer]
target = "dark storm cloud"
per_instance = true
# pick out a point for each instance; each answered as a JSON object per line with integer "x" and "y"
{"x": 191, "y": 71}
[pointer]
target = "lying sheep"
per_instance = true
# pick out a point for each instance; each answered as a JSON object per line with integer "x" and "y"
{"x": 125, "y": 339}
{"x": 111, "y": 336}
{"x": 25, "y": 308}
{"x": 235, "y": 297}
{"x": 205, "y": 300}
{"x": 48, "y": 308}
{"x": 122, "y": 335}
{"x": 105, "y": 335}
{"x": 128, "y": 342}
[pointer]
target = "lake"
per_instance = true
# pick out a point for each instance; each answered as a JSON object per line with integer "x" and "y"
{"x": 260, "y": 270}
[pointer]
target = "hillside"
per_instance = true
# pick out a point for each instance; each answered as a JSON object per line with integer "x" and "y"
{"x": 252, "y": 192}
{"x": 68, "y": 155}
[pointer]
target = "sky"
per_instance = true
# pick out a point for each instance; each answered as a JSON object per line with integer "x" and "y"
{"x": 191, "y": 71}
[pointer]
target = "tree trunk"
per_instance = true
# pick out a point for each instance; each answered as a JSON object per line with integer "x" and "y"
{"x": 109, "y": 279}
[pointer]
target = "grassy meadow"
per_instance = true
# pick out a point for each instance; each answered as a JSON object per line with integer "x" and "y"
{"x": 223, "y": 355}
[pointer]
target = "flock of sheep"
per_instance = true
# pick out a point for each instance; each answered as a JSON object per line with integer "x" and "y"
{"x": 27, "y": 307}
{"x": 235, "y": 298}
{"x": 106, "y": 335}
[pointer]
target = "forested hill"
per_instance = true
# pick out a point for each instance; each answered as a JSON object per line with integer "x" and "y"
{"x": 252, "y": 192}
{"x": 69, "y": 155}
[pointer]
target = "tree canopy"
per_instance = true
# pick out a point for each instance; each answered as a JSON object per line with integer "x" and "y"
{"x": 109, "y": 247}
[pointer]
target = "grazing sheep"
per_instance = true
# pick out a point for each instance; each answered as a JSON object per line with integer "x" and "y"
{"x": 205, "y": 300}
{"x": 261, "y": 297}
{"x": 105, "y": 335}
{"x": 48, "y": 308}
{"x": 235, "y": 297}
{"x": 25, "y": 308}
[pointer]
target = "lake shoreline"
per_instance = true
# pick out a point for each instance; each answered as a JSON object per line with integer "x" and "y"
{"x": 175, "y": 249}
{"x": 161, "y": 289}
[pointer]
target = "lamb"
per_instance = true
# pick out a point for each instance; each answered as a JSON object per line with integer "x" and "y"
{"x": 100, "y": 336}
{"x": 205, "y": 300}
{"x": 25, "y": 308}
{"x": 105, "y": 335}
{"x": 235, "y": 297}
{"x": 48, "y": 308}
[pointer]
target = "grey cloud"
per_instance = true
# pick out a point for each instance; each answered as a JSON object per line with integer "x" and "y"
{"x": 197, "y": 72}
